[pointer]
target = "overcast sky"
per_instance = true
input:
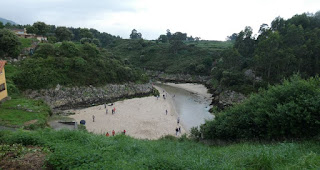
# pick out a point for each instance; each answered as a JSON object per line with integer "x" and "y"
{"x": 208, "y": 19}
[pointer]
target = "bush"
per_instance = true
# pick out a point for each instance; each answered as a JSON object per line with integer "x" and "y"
{"x": 286, "y": 111}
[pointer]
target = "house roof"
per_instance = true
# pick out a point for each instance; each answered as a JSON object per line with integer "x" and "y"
{"x": 2, "y": 63}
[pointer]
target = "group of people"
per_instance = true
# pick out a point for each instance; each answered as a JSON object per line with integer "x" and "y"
{"x": 113, "y": 133}
{"x": 113, "y": 111}
{"x": 105, "y": 106}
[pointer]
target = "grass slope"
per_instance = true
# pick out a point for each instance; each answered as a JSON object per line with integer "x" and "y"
{"x": 19, "y": 110}
{"x": 82, "y": 150}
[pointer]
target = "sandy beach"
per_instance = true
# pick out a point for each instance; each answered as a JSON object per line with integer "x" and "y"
{"x": 143, "y": 118}
{"x": 199, "y": 89}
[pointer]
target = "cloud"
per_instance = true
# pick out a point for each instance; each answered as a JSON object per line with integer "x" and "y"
{"x": 209, "y": 19}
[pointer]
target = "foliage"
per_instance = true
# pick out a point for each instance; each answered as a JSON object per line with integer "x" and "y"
{"x": 9, "y": 43}
{"x": 135, "y": 34}
{"x": 38, "y": 28}
{"x": 73, "y": 64}
{"x": 63, "y": 34}
{"x": 122, "y": 152}
{"x": 175, "y": 57}
{"x": 286, "y": 111}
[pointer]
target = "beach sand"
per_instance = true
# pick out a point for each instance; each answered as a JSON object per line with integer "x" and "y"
{"x": 194, "y": 88}
{"x": 142, "y": 118}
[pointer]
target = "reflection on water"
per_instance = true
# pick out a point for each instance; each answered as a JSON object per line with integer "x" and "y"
{"x": 192, "y": 108}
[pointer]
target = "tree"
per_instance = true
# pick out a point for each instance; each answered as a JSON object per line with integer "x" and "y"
{"x": 1, "y": 25}
{"x": 85, "y": 33}
{"x": 163, "y": 38}
{"x": 63, "y": 34}
{"x": 40, "y": 28}
{"x": 179, "y": 36}
{"x": 169, "y": 34}
{"x": 232, "y": 37}
{"x": 44, "y": 50}
{"x": 135, "y": 34}
{"x": 9, "y": 43}
{"x": 69, "y": 49}
{"x": 245, "y": 42}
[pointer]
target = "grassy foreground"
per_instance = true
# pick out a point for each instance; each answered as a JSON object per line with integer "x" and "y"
{"x": 82, "y": 150}
{"x": 23, "y": 112}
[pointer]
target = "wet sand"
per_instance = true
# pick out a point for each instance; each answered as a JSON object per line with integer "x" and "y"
{"x": 143, "y": 118}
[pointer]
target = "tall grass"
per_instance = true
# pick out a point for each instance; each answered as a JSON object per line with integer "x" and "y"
{"x": 82, "y": 150}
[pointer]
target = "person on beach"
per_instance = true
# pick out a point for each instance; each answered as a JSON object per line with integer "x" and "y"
{"x": 114, "y": 110}
{"x": 107, "y": 134}
{"x": 178, "y": 120}
{"x": 113, "y": 132}
{"x": 93, "y": 118}
{"x": 177, "y": 130}
{"x": 166, "y": 112}
{"x": 124, "y": 132}
{"x": 164, "y": 96}
{"x": 105, "y": 105}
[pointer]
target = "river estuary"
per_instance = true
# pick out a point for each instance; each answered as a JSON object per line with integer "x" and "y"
{"x": 191, "y": 107}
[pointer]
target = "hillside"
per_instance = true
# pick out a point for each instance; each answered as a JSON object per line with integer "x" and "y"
{"x": 4, "y": 21}
{"x": 181, "y": 57}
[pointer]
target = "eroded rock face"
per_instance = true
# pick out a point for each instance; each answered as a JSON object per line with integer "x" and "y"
{"x": 227, "y": 98}
{"x": 76, "y": 97}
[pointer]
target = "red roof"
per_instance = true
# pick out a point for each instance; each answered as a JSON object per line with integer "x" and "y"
{"x": 2, "y": 63}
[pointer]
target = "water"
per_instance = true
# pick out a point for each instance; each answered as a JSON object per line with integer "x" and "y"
{"x": 192, "y": 108}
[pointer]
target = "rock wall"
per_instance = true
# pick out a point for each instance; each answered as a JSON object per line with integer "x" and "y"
{"x": 227, "y": 98}
{"x": 61, "y": 98}
{"x": 182, "y": 78}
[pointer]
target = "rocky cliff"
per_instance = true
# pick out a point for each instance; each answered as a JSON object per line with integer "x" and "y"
{"x": 181, "y": 78}
{"x": 61, "y": 98}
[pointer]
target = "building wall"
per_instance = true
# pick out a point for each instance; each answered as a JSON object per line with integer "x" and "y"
{"x": 4, "y": 93}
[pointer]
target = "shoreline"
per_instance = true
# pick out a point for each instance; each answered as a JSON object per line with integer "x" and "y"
{"x": 133, "y": 115}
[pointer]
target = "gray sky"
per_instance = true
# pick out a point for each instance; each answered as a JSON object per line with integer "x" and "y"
{"x": 208, "y": 19}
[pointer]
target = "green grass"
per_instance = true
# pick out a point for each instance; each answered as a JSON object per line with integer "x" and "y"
{"x": 26, "y": 42}
{"x": 17, "y": 111}
{"x": 82, "y": 150}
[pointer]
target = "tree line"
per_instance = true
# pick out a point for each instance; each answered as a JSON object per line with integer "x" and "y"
{"x": 280, "y": 50}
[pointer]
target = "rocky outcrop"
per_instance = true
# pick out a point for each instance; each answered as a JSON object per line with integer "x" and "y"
{"x": 61, "y": 98}
{"x": 182, "y": 78}
{"x": 227, "y": 98}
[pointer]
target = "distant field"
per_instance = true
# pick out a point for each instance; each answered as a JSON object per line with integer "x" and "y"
{"x": 211, "y": 45}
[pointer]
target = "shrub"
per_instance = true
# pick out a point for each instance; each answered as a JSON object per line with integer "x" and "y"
{"x": 286, "y": 111}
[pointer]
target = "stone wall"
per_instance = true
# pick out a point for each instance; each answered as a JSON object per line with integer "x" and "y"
{"x": 61, "y": 98}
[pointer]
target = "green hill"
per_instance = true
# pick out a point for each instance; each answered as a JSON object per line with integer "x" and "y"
{"x": 4, "y": 21}
{"x": 180, "y": 57}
